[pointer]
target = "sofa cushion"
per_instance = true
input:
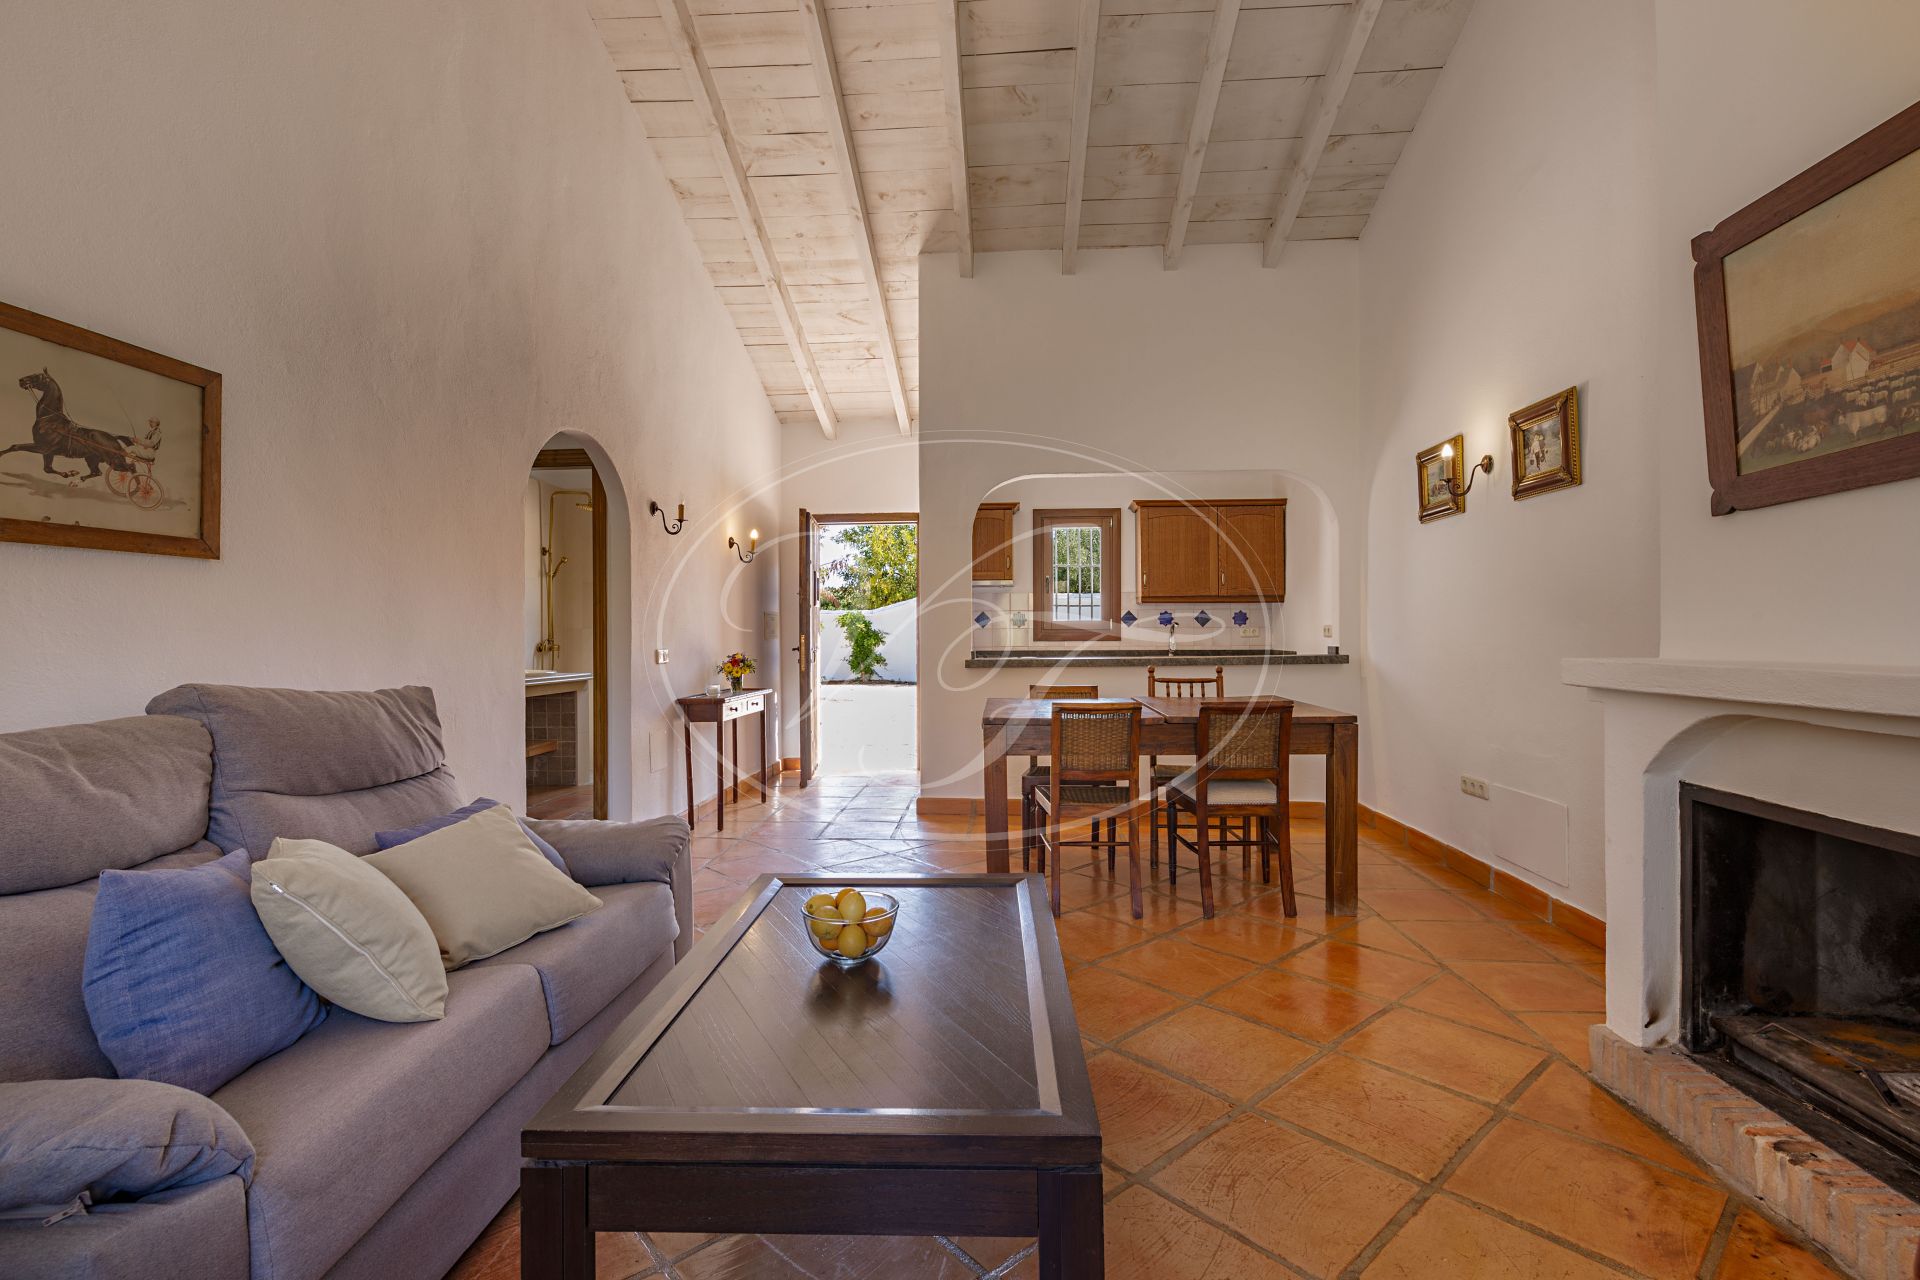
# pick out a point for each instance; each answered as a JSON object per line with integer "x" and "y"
{"x": 83, "y": 798}
{"x": 343, "y": 1122}
{"x": 45, "y": 1033}
{"x": 315, "y": 765}
{"x": 483, "y": 886}
{"x": 182, "y": 983}
{"x": 193, "y": 1233}
{"x": 584, "y": 965}
{"x": 350, "y": 932}
{"x": 114, "y": 1139}
{"x": 394, "y": 839}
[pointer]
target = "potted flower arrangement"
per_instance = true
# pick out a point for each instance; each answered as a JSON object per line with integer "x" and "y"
{"x": 735, "y": 667}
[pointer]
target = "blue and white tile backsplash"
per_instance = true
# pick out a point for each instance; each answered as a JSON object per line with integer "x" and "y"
{"x": 1003, "y": 620}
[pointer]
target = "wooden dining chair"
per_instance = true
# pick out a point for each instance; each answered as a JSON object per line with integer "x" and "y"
{"x": 1158, "y": 775}
{"x": 1242, "y": 773}
{"x": 1036, "y": 775}
{"x": 1094, "y": 776}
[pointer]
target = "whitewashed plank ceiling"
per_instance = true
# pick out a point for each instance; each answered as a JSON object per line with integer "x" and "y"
{"x": 1162, "y": 123}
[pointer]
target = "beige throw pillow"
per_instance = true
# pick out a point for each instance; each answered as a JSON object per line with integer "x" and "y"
{"x": 482, "y": 885}
{"x": 349, "y": 932}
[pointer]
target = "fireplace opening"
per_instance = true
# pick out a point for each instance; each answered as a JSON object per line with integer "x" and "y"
{"x": 1800, "y": 958}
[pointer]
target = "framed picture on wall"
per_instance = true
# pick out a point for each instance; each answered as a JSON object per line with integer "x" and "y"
{"x": 104, "y": 444}
{"x": 1442, "y": 474}
{"x": 1546, "y": 445}
{"x": 1808, "y": 304}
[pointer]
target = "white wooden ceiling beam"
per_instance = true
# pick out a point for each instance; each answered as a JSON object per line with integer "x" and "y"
{"x": 677, "y": 18}
{"x": 1086, "y": 42}
{"x": 1226, "y": 15}
{"x": 1328, "y": 96}
{"x": 826, "y": 74}
{"x": 949, "y": 26}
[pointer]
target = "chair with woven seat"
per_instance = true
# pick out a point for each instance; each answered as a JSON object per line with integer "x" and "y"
{"x": 1094, "y": 776}
{"x": 1036, "y": 775}
{"x": 1158, "y": 775}
{"x": 1242, "y": 773}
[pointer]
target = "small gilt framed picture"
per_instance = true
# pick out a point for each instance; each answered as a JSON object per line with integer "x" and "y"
{"x": 1442, "y": 476}
{"x": 1546, "y": 445}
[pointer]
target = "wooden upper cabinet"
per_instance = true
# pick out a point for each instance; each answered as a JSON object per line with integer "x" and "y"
{"x": 1253, "y": 550}
{"x": 993, "y": 542}
{"x": 1179, "y": 552}
{"x": 1229, "y": 549}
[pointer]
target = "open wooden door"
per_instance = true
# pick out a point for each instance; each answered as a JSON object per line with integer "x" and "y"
{"x": 808, "y": 614}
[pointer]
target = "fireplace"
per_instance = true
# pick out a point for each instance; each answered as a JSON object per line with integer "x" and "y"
{"x": 1800, "y": 959}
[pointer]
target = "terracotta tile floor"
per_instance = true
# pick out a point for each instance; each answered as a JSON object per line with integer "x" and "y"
{"x": 1401, "y": 1095}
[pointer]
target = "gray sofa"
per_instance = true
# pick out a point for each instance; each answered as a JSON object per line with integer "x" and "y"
{"x": 381, "y": 1150}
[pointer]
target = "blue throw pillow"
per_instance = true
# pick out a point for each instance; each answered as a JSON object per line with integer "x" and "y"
{"x": 181, "y": 982}
{"x": 388, "y": 839}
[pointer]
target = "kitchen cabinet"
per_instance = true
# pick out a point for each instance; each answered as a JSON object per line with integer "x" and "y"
{"x": 1230, "y": 550}
{"x": 993, "y": 542}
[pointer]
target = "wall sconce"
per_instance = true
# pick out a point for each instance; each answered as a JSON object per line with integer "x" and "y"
{"x": 1453, "y": 486}
{"x": 679, "y": 516}
{"x": 752, "y": 548}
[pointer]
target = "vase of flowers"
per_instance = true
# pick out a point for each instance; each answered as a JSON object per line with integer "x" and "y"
{"x": 735, "y": 667}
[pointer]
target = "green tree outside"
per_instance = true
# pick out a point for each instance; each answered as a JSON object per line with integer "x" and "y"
{"x": 883, "y": 567}
{"x": 864, "y": 639}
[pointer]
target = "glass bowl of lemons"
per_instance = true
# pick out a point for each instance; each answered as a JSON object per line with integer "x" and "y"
{"x": 850, "y": 926}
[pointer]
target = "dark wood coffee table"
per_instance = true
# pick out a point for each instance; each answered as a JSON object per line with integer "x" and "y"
{"x": 939, "y": 1089}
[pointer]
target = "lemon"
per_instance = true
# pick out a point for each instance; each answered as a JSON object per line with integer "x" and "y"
{"x": 853, "y": 942}
{"x": 878, "y": 923}
{"x": 852, "y": 905}
{"x": 825, "y": 930}
{"x": 820, "y": 904}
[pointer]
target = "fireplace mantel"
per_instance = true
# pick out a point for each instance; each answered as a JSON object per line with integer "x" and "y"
{"x": 1887, "y": 691}
{"x": 1822, "y": 738}
{"x": 1668, "y": 720}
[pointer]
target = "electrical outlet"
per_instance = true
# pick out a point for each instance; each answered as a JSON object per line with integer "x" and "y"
{"x": 659, "y": 750}
{"x": 660, "y": 657}
{"x": 1475, "y": 787}
{"x": 1249, "y": 633}
{"x": 1327, "y": 631}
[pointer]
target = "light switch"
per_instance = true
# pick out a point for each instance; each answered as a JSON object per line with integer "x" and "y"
{"x": 660, "y": 657}
{"x": 769, "y": 626}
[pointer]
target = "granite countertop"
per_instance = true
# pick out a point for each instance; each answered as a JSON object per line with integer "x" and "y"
{"x": 988, "y": 659}
{"x": 557, "y": 677}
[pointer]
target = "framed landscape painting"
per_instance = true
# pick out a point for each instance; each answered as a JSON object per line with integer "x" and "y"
{"x": 1441, "y": 472}
{"x": 1808, "y": 303}
{"x": 1546, "y": 445}
{"x": 104, "y": 444}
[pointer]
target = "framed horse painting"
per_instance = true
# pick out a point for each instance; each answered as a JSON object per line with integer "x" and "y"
{"x": 104, "y": 444}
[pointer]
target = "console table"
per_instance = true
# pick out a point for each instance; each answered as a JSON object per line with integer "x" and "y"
{"x": 720, "y": 711}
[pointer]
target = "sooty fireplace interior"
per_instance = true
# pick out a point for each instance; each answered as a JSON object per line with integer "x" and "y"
{"x": 1801, "y": 958}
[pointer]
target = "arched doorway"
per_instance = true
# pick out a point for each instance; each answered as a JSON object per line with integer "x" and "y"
{"x": 566, "y": 633}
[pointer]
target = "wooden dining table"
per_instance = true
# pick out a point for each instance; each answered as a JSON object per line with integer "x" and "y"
{"x": 1171, "y": 727}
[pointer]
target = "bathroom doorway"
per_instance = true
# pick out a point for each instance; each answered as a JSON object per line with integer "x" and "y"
{"x": 564, "y": 634}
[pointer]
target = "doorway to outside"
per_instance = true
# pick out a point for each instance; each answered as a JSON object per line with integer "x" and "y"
{"x": 864, "y": 583}
{"x": 564, "y": 635}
